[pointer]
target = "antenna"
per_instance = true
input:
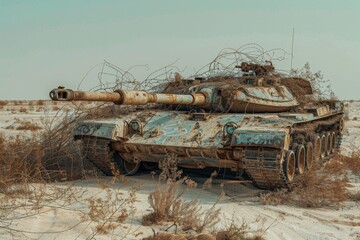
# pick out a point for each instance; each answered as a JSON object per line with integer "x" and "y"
{"x": 292, "y": 49}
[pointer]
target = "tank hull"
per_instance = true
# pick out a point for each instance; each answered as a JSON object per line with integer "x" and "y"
{"x": 253, "y": 121}
{"x": 258, "y": 145}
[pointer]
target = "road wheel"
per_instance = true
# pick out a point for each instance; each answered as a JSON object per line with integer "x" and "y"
{"x": 317, "y": 147}
{"x": 300, "y": 159}
{"x": 323, "y": 146}
{"x": 309, "y": 155}
{"x": 289, "y": 166}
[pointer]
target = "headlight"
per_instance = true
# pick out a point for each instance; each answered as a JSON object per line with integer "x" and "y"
{"x": 229, "y": 128}
{"x": 136, "y": 126}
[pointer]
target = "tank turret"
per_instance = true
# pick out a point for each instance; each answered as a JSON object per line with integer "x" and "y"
{"x": 257, "y": 91}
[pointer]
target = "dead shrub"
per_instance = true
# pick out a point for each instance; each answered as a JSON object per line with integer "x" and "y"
{"x": 3, "y": 103}
{"x": 218, "y": 236}
{"x": 50, "y": 155}
{"x": 179, "y": 236}
{"x": 19, "y": 162}
{"x": 349, "y": 163}
{"x": 40, "y": 102}
{"x": 24, "y": 201}
{"x": 23, "y": 110}
{"x": 28, "y": 164}
{"x": 323, "y": 185}
{"x": 236, "y": 232}
{"x": 111, "y": 211}
{"x": 167, "y": 204}
{"x": 355, "y": 197}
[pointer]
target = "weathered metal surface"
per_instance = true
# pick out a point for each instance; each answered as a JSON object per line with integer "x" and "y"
{"x": 251, "y": 124}
{"x": 110, "y": 129}
{"x": 127, "y": 97}
{"x": 62, "y": 94}
{"x": 259, "y": 137}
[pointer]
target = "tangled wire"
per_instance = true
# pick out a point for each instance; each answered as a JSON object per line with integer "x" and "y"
{"x": 112, "y": 77}
{"x": 224, "y": 64}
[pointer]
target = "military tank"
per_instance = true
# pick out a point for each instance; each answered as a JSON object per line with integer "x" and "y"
{"x": 260, "y": 124}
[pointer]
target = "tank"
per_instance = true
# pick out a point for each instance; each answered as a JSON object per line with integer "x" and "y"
{"x": 260, "y": 124}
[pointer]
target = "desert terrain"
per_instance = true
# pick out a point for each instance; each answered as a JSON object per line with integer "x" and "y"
{"x": 100, "y": 207}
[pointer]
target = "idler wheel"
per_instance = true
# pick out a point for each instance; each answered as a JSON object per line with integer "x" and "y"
{"x": 289, "y": 165}
{"x": 317, "y": 147}
{"x": 130, "y": 168}
{"x": 323, "y": 146}
{"x": 309, "y": 155}
{"x": 300, "y": 159}
{"x": 328, "y": 143}
{"x": 333, "y": 140}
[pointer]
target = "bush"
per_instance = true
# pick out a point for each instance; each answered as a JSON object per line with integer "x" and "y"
{"x": 323, "y": 185}
{"x": 40, "y": 102}
{"x": 23, "y": 110}
{"x": 167, "y": 204}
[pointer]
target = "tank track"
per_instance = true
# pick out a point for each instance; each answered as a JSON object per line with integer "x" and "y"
{"x": 265, "y": 168}
{"x": 339, "y": 140}
{"x": 99, "y": 153}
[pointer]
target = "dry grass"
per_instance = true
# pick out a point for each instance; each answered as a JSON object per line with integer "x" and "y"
{"x": 324, "y": 185}
{"x": 181, "y": 236}
{"x": 51, "y": 154}
{"x": 20, "y": 161}
{"x": 23, "y": 110}
{"x": 167, "y": 204}
{"x": 232, "y": 232}
{"x": 24, "y": 174}
{"x": 236, "y": 232}
{"x": 40, "y": 102}
{"x": 27, "y": 165}
{"x": 111, "y": 211}
{"x": 3, "y": 103}
{"x": 217, "y": 236}
{"x": 350, "y": 163}
{"x": 355, "y": 197}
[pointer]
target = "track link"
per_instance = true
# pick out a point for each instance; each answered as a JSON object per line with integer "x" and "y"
{"x": 265, "y": 168}
{"x": 99, "y": 153}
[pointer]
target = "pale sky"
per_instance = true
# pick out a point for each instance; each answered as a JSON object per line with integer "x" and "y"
{"x": 44, "y": 44}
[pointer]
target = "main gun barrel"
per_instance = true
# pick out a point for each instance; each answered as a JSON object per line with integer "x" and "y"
{"x": 128, "y": 97}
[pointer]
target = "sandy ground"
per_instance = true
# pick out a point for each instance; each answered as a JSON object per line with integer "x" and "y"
{"x": 65, "y": 220}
